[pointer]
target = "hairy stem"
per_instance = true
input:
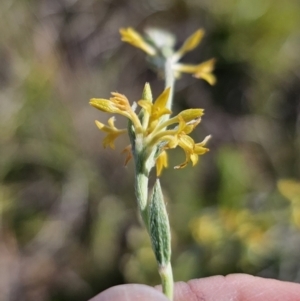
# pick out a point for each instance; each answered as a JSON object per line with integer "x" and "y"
{"x": 169, "y": 81}
{"x": 167, "y": 281}
{"x": 166, "y": 272}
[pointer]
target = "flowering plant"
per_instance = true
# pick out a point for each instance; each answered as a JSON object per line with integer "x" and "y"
{"x": 152, "y": 131}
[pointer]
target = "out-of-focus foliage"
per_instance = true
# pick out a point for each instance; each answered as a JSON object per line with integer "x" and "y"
{"x": 68, "y": 223}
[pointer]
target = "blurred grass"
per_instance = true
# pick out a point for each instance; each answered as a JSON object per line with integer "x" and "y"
{"x": 68, "y": 222}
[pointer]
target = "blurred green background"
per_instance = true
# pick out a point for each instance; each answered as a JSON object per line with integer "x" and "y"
{"x": 68, "y": 222}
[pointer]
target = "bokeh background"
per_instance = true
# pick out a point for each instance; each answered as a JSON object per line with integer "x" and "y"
{"x": 68, "y": 221}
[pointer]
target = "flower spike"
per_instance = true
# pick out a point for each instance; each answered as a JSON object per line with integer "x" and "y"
{"x": 152, "y": 131}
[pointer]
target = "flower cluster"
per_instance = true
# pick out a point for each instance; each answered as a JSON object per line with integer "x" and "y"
{"x": 203, "y": 70}
{"x": 153, "y": 133}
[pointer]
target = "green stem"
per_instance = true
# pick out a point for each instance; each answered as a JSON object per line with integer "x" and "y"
{"x": 167, "y": 281}
{"x": 143, "y": 166}
{"x": 169, "y": 81}
{"x": 165, "y": 272}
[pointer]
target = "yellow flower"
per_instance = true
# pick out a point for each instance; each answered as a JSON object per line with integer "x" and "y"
{"x": 203, "y": 70}
{"x": 130, "y": 36}
{"x": 152, "y": 133}
{"x": 118, "y": 104}
{"x": 111, "y": 130}
{"x": 192, "y": 150}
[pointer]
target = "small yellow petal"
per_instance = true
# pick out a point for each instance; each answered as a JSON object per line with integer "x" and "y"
{"x": 111, "y": 122}
{"x": 99, "y": 124}
{"x": 132, "y": 37}
{"x": 204, "y": 71}
{"x": 189, "y": 127}
{"x": 146, "y": 104}
{"x": 185, "y": 68}
{"x": 161, "y": 162}
{"x": 204, "y": 142}
{"x": 121, "y": 102}
{"x": 162, "y": 99}
{"x": 191, "y": 114}
{"x": 191, "y": 43}
{"x": 194, "y": 158}
{"x": 109, "y": 141}
{"x": 200, "y": 150}
{"x": 158, "y": 109}
{"x": 172, "y": 141}
{"x": 187, "y": 143}
{"x": 111, "y": 132}
{"x": 207, "y": 66}
{"x": 209, "y": 77}
{"x": 104, "y": 105}
{"x": 118, "y": 104}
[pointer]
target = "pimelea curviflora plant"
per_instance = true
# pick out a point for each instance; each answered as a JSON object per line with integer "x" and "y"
{"x": 152, "y": 130}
